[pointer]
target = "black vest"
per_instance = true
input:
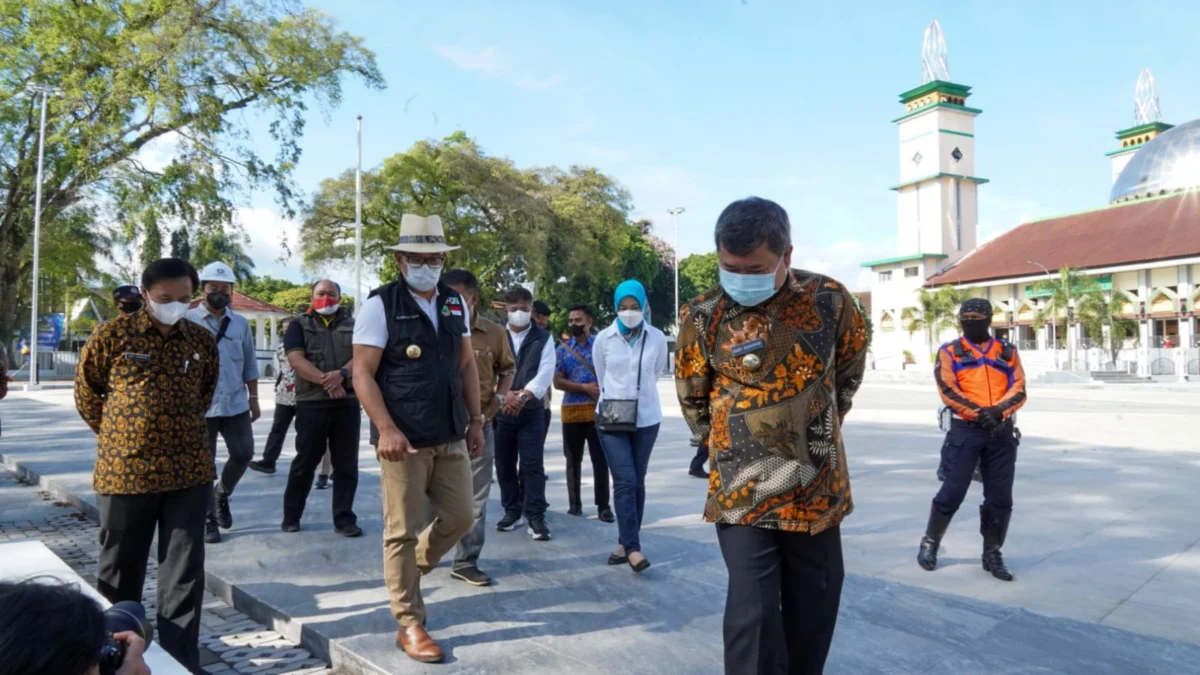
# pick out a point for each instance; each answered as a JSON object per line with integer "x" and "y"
{"x": 419, "y": 371}
{"x": 528, "y": 360}
{"x": 328, "y": 348}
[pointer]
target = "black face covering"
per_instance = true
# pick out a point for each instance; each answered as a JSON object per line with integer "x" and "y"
{"x": 217, "y": 301}
{"x": 131, "y": 306}
{"x": 977, "y": 330}
{"x": 577, "y": 330}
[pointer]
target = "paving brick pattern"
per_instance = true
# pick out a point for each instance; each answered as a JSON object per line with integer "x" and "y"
{"x": 230, "y": 642}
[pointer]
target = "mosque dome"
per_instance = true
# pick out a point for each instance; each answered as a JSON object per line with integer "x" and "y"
{"x": 1170, "y": 162}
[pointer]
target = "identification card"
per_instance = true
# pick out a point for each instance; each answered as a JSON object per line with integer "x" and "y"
{"x": 747, "y": 347}
{"x": 133, "y": 356}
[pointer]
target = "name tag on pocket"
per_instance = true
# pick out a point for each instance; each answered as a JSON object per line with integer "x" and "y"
{"x": 747, "y": 347}
{"x": 133, "y": 356}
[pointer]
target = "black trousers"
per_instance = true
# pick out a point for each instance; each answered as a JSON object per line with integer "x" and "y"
{"x": 520, "y": 462}
{"x": 699, "y": 459}
{"x": 968, "y": 445}
{"x": 318, "y": 428}
{"x": 127, "y": 527}
{"x": 784, "y": 592}
{"x": 284, "y": 414}
{"x": 575, "y": 434}
{"x": 239, "y": 441}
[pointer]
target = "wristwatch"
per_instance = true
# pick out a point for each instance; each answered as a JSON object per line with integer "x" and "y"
{"x": 499, "y": 398}
{"x": 344, "y": 372}
{"x": 524, "y": 397}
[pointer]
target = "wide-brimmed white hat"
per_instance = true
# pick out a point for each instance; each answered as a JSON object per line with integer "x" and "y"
{"x": 422, "y": 235}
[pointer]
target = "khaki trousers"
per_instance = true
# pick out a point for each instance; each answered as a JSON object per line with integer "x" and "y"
{"x": 442, "y": 475}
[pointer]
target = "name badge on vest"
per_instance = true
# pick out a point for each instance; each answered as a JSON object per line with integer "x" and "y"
{"x": 749, "y": 360}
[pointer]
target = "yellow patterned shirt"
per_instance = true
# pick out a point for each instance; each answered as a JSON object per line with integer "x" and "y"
{"x": 145, "y": 396}
{"x": 765, "y": 389}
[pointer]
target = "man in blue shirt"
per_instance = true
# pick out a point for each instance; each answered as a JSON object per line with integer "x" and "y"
{"x": 575, "y": 374}
{"x": 235, "y": 403}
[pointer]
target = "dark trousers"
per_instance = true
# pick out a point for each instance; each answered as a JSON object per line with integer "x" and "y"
{"x": 699, "y": 460}
{"x": 520, "y": 466}
{"x": 575, "y": 435}
{"x": 239, "y": 441}
{"x": 127, "y": 527}
{"x": 549, "y": 416}
{"x": 782, "y": 606}
{"x": 320, "y": 428}
{"x": 628, "y": 455}
{"x": 284, "y": 414}
{"x": 968, "y": 445}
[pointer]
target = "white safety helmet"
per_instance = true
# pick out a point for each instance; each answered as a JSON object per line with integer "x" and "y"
{"x": 217, "y": 271}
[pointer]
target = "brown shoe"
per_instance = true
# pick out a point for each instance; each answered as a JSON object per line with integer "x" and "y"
{"x": 418, "y": 645}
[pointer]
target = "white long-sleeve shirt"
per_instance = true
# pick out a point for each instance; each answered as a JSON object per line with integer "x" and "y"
{"x": 545, "y": 373}
{"x": 617, "y": 370}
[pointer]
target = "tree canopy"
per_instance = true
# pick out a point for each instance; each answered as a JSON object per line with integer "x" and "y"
{"x": 129, "y": 73}
{"x": 565, "y": 232}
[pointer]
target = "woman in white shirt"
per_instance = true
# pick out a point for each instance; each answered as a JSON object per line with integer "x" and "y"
{"x": 629, "y": 355}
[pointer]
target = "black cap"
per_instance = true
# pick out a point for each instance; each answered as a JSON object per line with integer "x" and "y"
{"x": 975, "y": 309}
{"x": 540, "y": 308}
{"x": 125, "y": 292}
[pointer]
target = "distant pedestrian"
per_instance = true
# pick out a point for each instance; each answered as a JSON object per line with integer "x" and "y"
{"x": 521, "y": 425}
{"x": 629, "y": 355}
{"x": 127, "y": 298}
{"x": 415, "y": 375}
{"x": 235, "y": 405}
{"x": 767, "y": 368}
{"x": 319, "y": 345}
{"x": 143, "y": 384}
{"x": 576, "y": 375}
{"x": 495, "y": 364}
{"x": 541, "y": 317}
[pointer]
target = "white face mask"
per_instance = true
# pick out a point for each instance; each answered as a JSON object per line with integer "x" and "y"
{"x": 518, "y": 318}
{"x": 632, "y": 318}
{"x": 326, "y": 311}
{"x": 423, "y": 278}
{"x": 168, "y": 313}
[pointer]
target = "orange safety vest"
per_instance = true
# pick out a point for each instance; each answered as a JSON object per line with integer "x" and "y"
{"x": 971, "y": 377}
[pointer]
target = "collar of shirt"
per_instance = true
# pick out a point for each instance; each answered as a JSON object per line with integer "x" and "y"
{"x": 518, "y": 338}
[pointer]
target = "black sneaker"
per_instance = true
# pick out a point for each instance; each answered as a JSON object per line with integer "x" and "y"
{"x": 349, "y": 531}
{"x": 538, "y": 529}
{"x": 606, "y": 515}
{"x": 472, "y": 576}
{"x": 212, "y": 534}
{"x": 322, "y": 482}
{"x": 262, "y": 467}
{"x": 290, "y": 527}
{"x": 221, "y": 507}
{"x": 697, "y": 473}
{"x": 575, "y": 511}
{"x": 509, "y": 522}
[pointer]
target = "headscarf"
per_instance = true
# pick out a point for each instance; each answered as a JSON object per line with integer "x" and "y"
{"x": 975, "y": 318}
{"x": 631, "y": 288}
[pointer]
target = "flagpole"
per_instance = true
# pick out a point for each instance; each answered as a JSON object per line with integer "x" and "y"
{"x": 358, "y": 299}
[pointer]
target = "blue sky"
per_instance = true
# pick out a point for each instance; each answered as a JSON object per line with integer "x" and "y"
{"x": 699, "y": 102}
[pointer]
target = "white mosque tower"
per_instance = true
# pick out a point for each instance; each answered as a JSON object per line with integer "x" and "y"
{"x": 1147, "y": 123}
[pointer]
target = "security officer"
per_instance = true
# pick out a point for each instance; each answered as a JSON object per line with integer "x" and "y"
{"x": 415, "y": 374}
{"x": 981, "y": 381}
{"x": 127, "y": 298}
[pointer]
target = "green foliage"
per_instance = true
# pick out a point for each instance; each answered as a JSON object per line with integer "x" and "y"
{"x": 152, "y": 243}
{"x": 697, "y": 273}
{"x": 219, "y": 245}
{"x": 936, "y": 311}
{"x": 265, "y": 288}
{"x": 130, "y": 73}
{"x": 181, "y": 244}
{"x": 294, "y": 300}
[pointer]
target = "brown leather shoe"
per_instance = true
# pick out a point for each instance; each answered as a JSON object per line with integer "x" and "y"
{"x": 418, "y": 645}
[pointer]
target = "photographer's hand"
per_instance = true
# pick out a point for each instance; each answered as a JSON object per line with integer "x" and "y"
{"x": 135, "y": 646}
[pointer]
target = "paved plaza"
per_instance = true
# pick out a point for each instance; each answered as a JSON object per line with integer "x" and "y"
{"x": 1103, "y": 543}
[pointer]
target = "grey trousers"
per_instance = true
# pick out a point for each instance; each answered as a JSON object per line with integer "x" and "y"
{"x": 471, "y": 544}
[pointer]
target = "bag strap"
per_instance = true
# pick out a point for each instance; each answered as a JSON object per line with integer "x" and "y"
{"x": 224, "y": 327}
{"x": 586, "y": 364}
{"x": 642, "y": 353}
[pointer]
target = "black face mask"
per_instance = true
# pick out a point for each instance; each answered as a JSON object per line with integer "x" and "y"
{"x": 217, "y": 301}
{"x": 130, "y": 306}
{"x": 577, "y": 330}
{"x": 977, "y": 331}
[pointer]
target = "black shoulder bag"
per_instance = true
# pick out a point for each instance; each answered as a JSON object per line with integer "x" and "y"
{"x": 617, "y": 416}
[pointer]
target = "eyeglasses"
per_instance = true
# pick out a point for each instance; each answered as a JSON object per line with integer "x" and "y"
{"x": 419, "y": 260}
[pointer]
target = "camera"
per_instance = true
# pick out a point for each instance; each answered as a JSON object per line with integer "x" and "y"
{"x": 125, "y": 616}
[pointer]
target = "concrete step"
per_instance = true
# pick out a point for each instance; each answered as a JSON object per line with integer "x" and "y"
{"x": 1117, "y": 377}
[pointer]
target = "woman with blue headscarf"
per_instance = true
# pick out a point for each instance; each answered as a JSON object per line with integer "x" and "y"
{"x": 629, "y": 355}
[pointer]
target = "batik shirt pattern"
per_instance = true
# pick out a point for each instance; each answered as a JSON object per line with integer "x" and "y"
{"x": 765, "y": 390}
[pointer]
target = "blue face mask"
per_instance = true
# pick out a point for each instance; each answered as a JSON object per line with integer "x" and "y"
{"x": 749, "y": 290}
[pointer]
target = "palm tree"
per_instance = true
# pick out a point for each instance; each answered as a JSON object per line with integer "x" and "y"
{"x": 937, "y": 311}
{"x": 1070, "y": 285}
{"x": 1099, "y": 310}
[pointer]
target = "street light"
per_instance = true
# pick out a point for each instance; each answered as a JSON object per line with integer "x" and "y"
{"x": 675, "y": 222}
{"x": 45, "y": 91}
{"x": 358, "y": 299}
{"x": 1053, "y": 319}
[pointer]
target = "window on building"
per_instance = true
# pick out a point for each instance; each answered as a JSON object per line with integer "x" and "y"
{"x": 912, "y": 272}
{"x": 885, "y": 276}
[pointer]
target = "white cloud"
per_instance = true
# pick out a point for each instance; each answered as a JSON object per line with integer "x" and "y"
{"x": 485, "y": 60}
{"x": 539, "y": 83}
{"x": 842, "y": 259}
{"x": 268, "y": 231}
{"x": 158, "y": 153}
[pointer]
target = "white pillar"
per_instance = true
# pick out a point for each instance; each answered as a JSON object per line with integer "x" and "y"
{"x": 274, "y": 334}
{"x": 1144, "y": 348}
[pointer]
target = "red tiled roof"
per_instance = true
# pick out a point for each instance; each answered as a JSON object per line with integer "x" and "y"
{"x": 1133, "y": 232}
{"x": 245, "y": 303}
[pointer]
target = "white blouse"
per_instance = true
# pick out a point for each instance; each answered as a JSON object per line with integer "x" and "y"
{"x": 616, "y": 369}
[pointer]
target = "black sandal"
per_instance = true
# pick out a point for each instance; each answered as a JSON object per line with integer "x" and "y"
{"x": 640, "y": 566}
{"x": 615, "y": 559}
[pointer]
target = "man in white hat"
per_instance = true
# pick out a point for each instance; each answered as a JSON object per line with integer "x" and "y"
{"x": 415, "y": 374}
{"x": 235, "y": 403}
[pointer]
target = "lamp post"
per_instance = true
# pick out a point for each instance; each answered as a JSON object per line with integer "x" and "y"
{"x": 1053, "y": 318}
{"x": 358, "y": 223}
{"x": 675, "y": 245}
{"x": 45, "y": 91}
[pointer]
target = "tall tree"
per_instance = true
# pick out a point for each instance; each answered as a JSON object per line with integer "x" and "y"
{"x": 697, "y": 273}
{"x": 152, "y": 242}
{"x": 181, "y": 244}
{"x": 228, "y": 247}
{"x": 131, "y": 73}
